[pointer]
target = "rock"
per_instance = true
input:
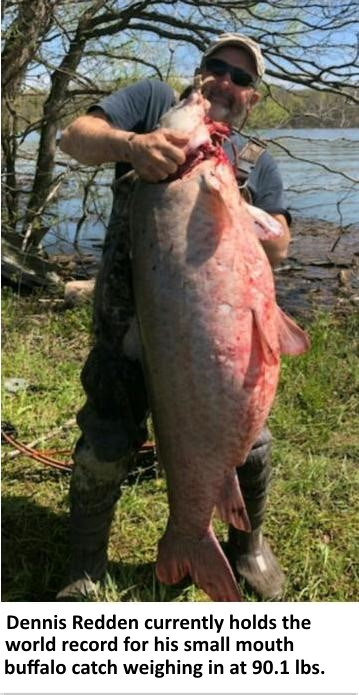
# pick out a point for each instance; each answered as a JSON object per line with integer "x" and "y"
{"x": 13, "y": 385}
{"x": 344, "y": 278}
{"x": 78, "y": 292}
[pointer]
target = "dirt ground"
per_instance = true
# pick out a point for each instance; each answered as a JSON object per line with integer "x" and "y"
{"x": 321, "y": 272}
{"x": 322, "y": 269}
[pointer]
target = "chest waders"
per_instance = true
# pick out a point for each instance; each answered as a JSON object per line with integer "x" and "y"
{"x": 113, "y": 422}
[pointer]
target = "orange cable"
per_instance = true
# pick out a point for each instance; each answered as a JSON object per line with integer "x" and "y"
{"x": 32, "y": 453}
{"x": 43, "y": 457}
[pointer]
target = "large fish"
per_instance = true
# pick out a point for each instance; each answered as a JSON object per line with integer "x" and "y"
{"x": 211, "y": 336}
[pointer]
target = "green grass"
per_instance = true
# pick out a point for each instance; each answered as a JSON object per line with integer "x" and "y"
{"x": 312, "y": 519}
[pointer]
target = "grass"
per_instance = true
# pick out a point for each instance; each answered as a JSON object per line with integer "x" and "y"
{"x": 312, "y": 519}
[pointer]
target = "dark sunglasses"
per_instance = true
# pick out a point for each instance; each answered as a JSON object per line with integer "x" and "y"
{"x": 239, "y": 77}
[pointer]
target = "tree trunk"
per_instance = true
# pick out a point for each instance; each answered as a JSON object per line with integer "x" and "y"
{"x": 21, "y": 41}
{"x": 33, "y": 230}
{"x": 8, "y": 141}
{"x": 20, "y": 45}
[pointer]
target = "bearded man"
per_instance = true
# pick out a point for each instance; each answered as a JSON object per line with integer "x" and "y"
{"x": 123, "y": 128}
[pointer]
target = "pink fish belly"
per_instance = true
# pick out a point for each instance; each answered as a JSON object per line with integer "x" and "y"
{"x": 210, "y": 388}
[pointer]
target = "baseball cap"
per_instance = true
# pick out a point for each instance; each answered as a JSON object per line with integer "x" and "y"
{"x": 240, "y": 41}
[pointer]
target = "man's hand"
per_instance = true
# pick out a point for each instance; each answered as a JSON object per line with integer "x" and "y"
{"x": 157, "y": 155}
{"x": 93, "y": 140}
{"x": 277, "y": 248}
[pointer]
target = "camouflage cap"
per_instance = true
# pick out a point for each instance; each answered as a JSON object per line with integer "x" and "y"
{"x": 240, "y": 41}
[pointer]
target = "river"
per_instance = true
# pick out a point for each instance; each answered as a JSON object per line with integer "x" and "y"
{"x": 318, "y": 168}
{"x": 313, "y": 187}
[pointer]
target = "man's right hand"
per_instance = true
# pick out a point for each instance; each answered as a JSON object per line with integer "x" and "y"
{"x": 155, "y": 156}
{"x": 93, "y": 140}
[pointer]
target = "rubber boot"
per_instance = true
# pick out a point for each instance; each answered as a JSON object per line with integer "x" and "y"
{"x": 94, "y": 491}
{"x": 250, "y": 553}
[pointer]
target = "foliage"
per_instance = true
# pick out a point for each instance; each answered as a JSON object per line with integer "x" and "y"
{"x": 278, "y": 108}
{"x": 312, "y": 518}
{"x": 78, "y": 50}
{"x": 288, "y": 108}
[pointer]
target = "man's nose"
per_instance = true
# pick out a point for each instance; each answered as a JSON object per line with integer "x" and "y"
{"x": 225, "y": 79}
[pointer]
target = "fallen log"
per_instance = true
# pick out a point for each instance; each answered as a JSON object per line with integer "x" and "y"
{"x": 26, "y": 269}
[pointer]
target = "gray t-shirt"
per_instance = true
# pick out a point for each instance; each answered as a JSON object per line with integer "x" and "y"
{"x": 139, "y": 108}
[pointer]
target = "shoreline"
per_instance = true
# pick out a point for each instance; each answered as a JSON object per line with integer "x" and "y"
{"x": 321, "y": 271}
{"x": 322, "y": 268}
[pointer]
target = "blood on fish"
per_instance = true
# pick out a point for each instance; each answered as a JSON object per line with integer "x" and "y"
{"x": 211, "y": 338}
{"x": 208, "y": 150}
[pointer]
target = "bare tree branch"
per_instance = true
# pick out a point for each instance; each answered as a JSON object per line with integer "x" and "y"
{"x": 75, "y": 46}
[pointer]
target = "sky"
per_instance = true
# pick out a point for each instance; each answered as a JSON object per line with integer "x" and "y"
{"x": 318, "y": 44}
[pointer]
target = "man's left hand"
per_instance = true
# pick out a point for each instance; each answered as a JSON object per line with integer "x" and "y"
{"x": 277, "y": 249}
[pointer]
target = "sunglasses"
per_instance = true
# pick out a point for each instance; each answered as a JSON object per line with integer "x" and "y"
{"x": 239, "y": 77}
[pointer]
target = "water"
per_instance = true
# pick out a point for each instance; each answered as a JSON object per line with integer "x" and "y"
{"x": 313, "y": 188}
{"x": 321, "y": 187}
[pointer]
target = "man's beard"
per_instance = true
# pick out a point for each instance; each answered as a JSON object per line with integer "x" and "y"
{"x": 224, "y": 108}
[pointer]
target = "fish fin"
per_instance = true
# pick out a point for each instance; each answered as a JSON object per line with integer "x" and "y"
{"x": 265, "y": 226}
{"x": 269, "y": 352}
{"x": 217, "y": 201}
{"x": 292, "y": 339}
{"x": 203, "y": 559}
{"x": 231, "y": 506}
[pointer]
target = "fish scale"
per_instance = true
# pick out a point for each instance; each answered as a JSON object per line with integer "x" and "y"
{"x": 211, "y": 337}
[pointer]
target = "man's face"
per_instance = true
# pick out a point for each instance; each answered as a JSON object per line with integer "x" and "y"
{"x": 230, "y": 102}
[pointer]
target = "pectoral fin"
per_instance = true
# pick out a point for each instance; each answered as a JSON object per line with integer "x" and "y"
{"x": 292, "y": 339}
{"x": 265, "y": 226}
{"x": 269, "y": 349}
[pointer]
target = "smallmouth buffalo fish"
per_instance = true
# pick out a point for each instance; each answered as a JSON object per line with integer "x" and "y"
{"x": 211, "y": 336}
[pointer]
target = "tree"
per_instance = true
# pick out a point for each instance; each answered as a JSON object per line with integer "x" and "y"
{"x": 67, "y": 38}
{"x": 24, "y": 33}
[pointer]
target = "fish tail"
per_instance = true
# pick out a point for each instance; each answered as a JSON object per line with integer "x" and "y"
{"x": 203, "y": 559}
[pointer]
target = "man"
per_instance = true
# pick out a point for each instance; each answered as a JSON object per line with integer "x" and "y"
{"x": 122, "y": 129}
